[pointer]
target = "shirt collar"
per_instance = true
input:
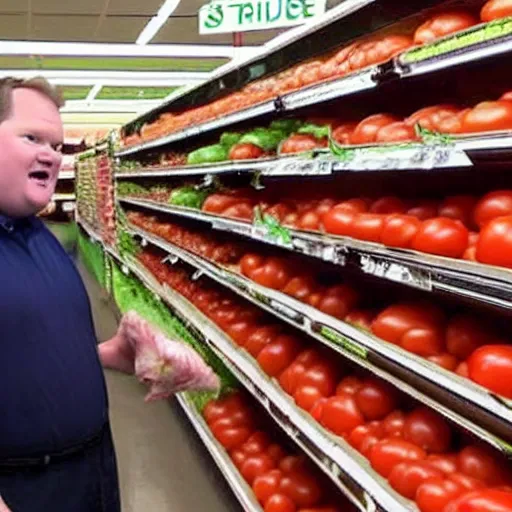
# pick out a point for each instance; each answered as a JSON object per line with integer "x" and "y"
{"x": 9, "y": 224}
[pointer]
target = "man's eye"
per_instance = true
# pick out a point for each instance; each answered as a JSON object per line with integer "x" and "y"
{"x": 30, "y": 137}
{"x": 57, "y": 147}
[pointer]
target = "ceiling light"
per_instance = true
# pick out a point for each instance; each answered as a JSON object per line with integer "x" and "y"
{"x": 156, "y": 22}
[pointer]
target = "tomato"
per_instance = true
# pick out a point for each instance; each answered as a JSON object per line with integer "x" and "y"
{"x": 482, "y": 463}
{"x": 349, "y": 385}
{"x": 224, "y": 316}
{"x": 343, "y": 133}
{"x": 428, "y": 430}
{"x": 216, "y": 409}
{"x": 386, "y": 454}
{"x": 300, "y": 287}
{"x": 376, "y": 398}
{"x": 424, "y": 210}
{"x": 279, "y": 503}
{"x": 256, "y": 444}
{"x": 264, "y": 486}
{"x": 231, "y": 437}
{"x": 217, "y": 203}
{"x": 387, "y": 205}
{"x": 400, "y": 230}
{"x": 236, "y": 418}
{"x": 430, "y": 118}
{"x": 302, "y": 488}
{"x": 447, "y": 463}
{"x": 238, "y": 457}
{"x": 257, "y": 465}
{"x": 275, "y": 357}
{"x": 466, "y": 482}
{"x": 368, "y": 226}
{"x": 465, "y": 334}
{"x": 491, "y": 367}
{"x": 488, "y": 116}
{"x": 435, "y": 494}
{"x": 318, "y": 408}
{"x": 324, "y": 206}
{"x": 495, "y": 9}
{"x": 245, "y": 152}
{"x": 243, "y": 211}
{"x": 406, "y": 477}
{"x": 341, "y": 414}
{"x": 441, "y": 236}
{"x": 240, "y": 332}
{"x": 309, "y": 220}
{"x": 507, "y": 96}
{"x": 366, "y": 131}
{"x": 261, "y": 338}
{"x": 356, "y": 205}
{"x": 484, "y": 500}
{"x": 335, "y": 305}
{"x": 279, "y": 211}
{"x": 463, "y": 369}
{"x": 360, "y": 433}
{"x": 446, "y": 361}
{"x": 443, "y": 24}
{"x": 301, "y": 143}
{"x": 323, "y": 376}
{"x": 293, "y": 464}
{"x": 276, "y": 452}
{"x": 494, "y": 245}
{"x": 396, "y": 132}
{"x": 250, "y": 262}
{"x": 394, "y": 424}
{"x": 273, "y": 274}
{"x": 339, "y": 221}
{"x": 361, "y": 318}
{"x": 459, "y": 208}
{"x": 492, "y": 205}
{"x": 452, "y": 124}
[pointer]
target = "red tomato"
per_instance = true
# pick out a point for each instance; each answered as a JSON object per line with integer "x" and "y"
{"x": 459, "y": 208}
{"x": 266, "y": 485}
{"x": 276, "y": 452}
{"x": 238, "y": 457}
{"x": 341, "y": 415}
{"x": 428, "y": 430}
{"x": 446, "y": 361}
{"x": 302, "y": 488}
{"x": 318, "y": 408}
{"x": 485, "y": 500}
{"x": 394, "y": 424}
{"x": 257, "y": 465}
{"x": 324, "y": 206}
{"x": 366, "y": 131}
{"x": 343, "y": 134}
{"x": 445, "y": 237}
{"x": 482, "y": 463}
{"x": 396, "y": 132}
{"x": 492, "y": 205}
{"x": 435, "y": 494}
{"x": 494, "y": 245}
{"x": 250, "y": 262}
{"x": 462, "y": 370}
{"x": 491, "y": 367}
{"x": 300, "y": 287}
{"x": 273, "y": 274}
{"x": 293, "y": 464}
{"x": 430, "y": 117}
{"x": 406, "y": 477}
{"x": 447, "y": 463}
{"x": 261, "y": 338}
{"x": 241, "y": 211}
{"x": 376, "y": 398}
{"x": 443, "y": 24}
{"x": 233, "y": 437}
{"x": 349, "y": 385}
{"x": 339, "y": 221}
{"x": 237, "y": 418}
{"x": 275, "y": 357}
{"x": 279, "y": 503}
{"x": 424, "y": 210}
{"x": 465, "y": 334}
{"x": 466, "y": 482}
{"x": 217, "y": 203}
{"x": 309, "y": 220}
{"x": 361, "y": 318}
{"x": 355, "y": 205}
{"x": 335, "y": 305}
{"x": 256, "y": 444}
{"x": 495, "y": 9}
{"x": 400, "y": 230}
{"x": 507, "y": 96}
{"x": 306, "y": 397}
{"x": 386, "y": 454}
{"x": 387, "y": 205}
{"x": 358, "y": 435}
{"x": 240, "y": 332}
{"x": 245, "y": 152}
{"x": 323, "y": 376}
{"x": 488, "y": 116}
{"x": 301, "y": 143}
{"x": 216, "y": 409}
{"x": 452, "y": 124}
{"x": 279, "y": 211}
{"x": 368, "y": 226}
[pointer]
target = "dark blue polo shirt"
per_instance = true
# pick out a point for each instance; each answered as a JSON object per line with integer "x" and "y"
{"x": 52, "y": 388}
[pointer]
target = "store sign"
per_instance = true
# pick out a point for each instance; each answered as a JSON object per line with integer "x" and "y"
{"x": 222, "y": 16}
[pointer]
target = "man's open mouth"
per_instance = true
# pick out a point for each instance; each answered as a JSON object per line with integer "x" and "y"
{"x": 41, "y": 177}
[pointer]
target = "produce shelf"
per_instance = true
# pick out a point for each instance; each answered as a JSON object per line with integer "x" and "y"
{"x": 239, "y": 487}
{"x": 95, "y": 237}
{"x": 463, "y": 402}
{"x": 350, "y": 472}
{"x": 472, "y": 281}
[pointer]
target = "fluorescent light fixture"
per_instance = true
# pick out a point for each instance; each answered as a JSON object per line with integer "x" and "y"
{"x": 117, "y": 78}
{"x": 156, "y": 22}
{"x": 94, "y": 92}
{"x": 122, "y": 50}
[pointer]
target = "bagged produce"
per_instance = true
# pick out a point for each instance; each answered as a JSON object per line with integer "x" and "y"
{"x": 166, "y": 366}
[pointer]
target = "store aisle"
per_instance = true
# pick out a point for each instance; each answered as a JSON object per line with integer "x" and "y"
{"x": 162, "y": 464}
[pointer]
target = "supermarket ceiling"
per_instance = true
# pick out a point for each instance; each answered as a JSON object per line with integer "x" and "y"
{"x": 137, "y": 80}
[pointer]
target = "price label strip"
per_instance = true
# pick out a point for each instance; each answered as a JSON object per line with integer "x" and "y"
{"x": 300, "y": 167}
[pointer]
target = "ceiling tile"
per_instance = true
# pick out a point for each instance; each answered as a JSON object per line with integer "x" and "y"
{"x": 13, "y": 6}
{"x": 135, "y": 7}
{"x": 13, "y": 26}
{"x": 189, "y": 7}
{"x": 121, "y": 29}
{"x": 63, "y": 28}
{"x": 66, "y": 6}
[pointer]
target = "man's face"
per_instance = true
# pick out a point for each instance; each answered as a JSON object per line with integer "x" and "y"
{"x": 30, "y": 139}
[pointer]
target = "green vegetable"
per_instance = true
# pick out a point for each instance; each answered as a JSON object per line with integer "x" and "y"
{"x": 127, "y": 188}
{"x": 229, "y": 139}
{"x": 189, "y": 197}
{"x": 264, "y": 138}
{"x": 317, "y": 131}
{"x": 208, "y": 155}
{"x": 93, "y": 258}
{"x": 288, "y": 126}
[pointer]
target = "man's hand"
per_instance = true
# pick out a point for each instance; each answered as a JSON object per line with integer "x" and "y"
{"x": 3, "y": 506}
{"x": 117, "y": 354}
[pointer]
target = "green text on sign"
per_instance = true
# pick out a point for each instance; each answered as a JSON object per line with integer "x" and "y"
{"x": 223, "y": 16}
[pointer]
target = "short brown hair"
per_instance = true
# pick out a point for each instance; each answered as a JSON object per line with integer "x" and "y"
{"x": 40, "y": 84}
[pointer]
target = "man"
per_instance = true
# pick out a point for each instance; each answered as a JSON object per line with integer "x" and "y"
{"x": 56, "y": 451}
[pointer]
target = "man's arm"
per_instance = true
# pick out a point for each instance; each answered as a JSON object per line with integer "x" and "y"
{"x": 116, "y": 354}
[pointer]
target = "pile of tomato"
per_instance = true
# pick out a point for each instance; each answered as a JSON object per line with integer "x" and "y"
{"x": 281, "y": 481}
{"x": 348, "y": 59}
{"x": 423, "y": 457}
